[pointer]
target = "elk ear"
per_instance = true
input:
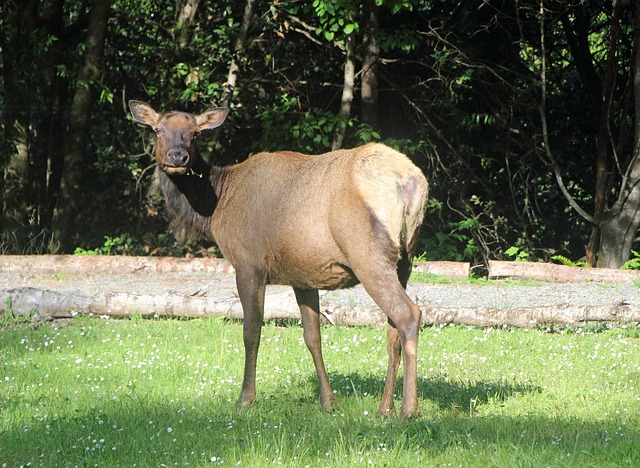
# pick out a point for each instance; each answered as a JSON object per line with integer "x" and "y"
{"x": 143, "y": 112}
{"x": 212, "y": 118}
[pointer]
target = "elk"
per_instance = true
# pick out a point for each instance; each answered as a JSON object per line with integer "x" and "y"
{"x": 313, "y": 222}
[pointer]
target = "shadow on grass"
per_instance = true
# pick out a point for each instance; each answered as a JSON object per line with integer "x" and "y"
{"x": 461, "y": 396}
{"x": 147, "y": 432}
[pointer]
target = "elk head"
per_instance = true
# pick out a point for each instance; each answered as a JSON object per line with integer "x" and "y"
{"x": 176, "y": 132}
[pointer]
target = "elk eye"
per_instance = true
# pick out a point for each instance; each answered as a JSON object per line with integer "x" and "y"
{"x": 157, "y": 129}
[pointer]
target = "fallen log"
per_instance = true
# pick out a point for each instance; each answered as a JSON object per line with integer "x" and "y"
{"x": 49, "y": 287}
{"x": 45, "y": 305}
{"x": 531, "y": 317}
{"x": 110, "y": 264}
{"x": 558, "y": 273}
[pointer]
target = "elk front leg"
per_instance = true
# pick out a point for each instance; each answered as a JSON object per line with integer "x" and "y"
{"x": 309, "y": 304}
{"x": 251, "y": 288}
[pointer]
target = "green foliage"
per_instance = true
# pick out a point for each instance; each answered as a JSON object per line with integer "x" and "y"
{"x": 633, "y": 263}
{"x": 158, "y": 244}
{"x": 398, "y": 6}
{"x": 562, "y": 260}
{"x": 284, "y": 126}
{"x": 287, "y": 126}
{"x": 457, "y": 104}
{"x": 336, "y": 19}
{"x": 123, "y": 244}
{"x": 364, "y": 132}
{"x": 456, "y": 243}
{"x": 517, "y": 253}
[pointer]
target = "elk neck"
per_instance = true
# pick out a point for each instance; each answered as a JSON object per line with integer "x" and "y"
{"x": 192, "y": 198}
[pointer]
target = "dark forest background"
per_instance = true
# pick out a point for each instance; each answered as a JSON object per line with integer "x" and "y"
{"x": 524, "y": 115}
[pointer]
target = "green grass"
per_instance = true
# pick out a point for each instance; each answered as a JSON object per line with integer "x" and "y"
{"x": 93, "y": 392}
{"x": 430, "y": 278}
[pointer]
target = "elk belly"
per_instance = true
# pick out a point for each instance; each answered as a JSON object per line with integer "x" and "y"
{"x": 306, "y": 273}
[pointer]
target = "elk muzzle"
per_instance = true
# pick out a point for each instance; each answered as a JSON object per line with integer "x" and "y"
{"x": 175, "y": 161}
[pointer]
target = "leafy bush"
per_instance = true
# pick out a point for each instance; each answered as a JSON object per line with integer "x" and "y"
{"x": 123, "y": 244}
{"x": 562, "y": 260}
{"x": 456, "y": 244}
{"x": 518, "y": 254}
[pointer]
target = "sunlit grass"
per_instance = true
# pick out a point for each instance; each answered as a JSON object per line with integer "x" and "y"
{"x": 430, "y": 278}
{"x": 149, "y": 393}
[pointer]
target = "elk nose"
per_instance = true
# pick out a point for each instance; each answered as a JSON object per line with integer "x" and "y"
{"x": 177, "y": 157}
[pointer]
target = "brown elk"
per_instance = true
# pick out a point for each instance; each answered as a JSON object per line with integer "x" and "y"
{"x": 312, "y": 222}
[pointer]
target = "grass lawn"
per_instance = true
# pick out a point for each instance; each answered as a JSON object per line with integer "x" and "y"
{"x": 92, "y": 392}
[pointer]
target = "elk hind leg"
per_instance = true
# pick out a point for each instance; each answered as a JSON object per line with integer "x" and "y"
{"x": 394, "y": 349}
{"x": 394, "y": 346}
{"x": 382, "y": 267}
{"x": 403, "y": 327}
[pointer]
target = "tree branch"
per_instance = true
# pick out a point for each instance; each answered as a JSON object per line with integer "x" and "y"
{"x": 556, "y": 170}
{"x": 238, "y": 50}
{"x": 545, "y": 131}
{"x": 347, "y": 94}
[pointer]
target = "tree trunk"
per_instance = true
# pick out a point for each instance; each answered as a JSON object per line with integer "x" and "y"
{"x": 614, "y": 227}
{"x": 238, "y": 51}
{"x": 618, "y": 228}
{"x": 15, "y": 199}
{"x": 77, "y": 132}
{"x": 371, "y": 53}
{"x": 186, "y": 12}
{"x": 604, "y": 142}
{"x": 620, "y": 223}
{"x": 48, "y": 153}
{"x": 347, "y": 94}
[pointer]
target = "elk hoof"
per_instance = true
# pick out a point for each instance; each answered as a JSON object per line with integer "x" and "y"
{"x": 413, "y": 413}
{"x": 386, "y": 408}
{"x": 329, "y": 404}
{"x": 244, "y": 402}
{"x": 386, "y": 412}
